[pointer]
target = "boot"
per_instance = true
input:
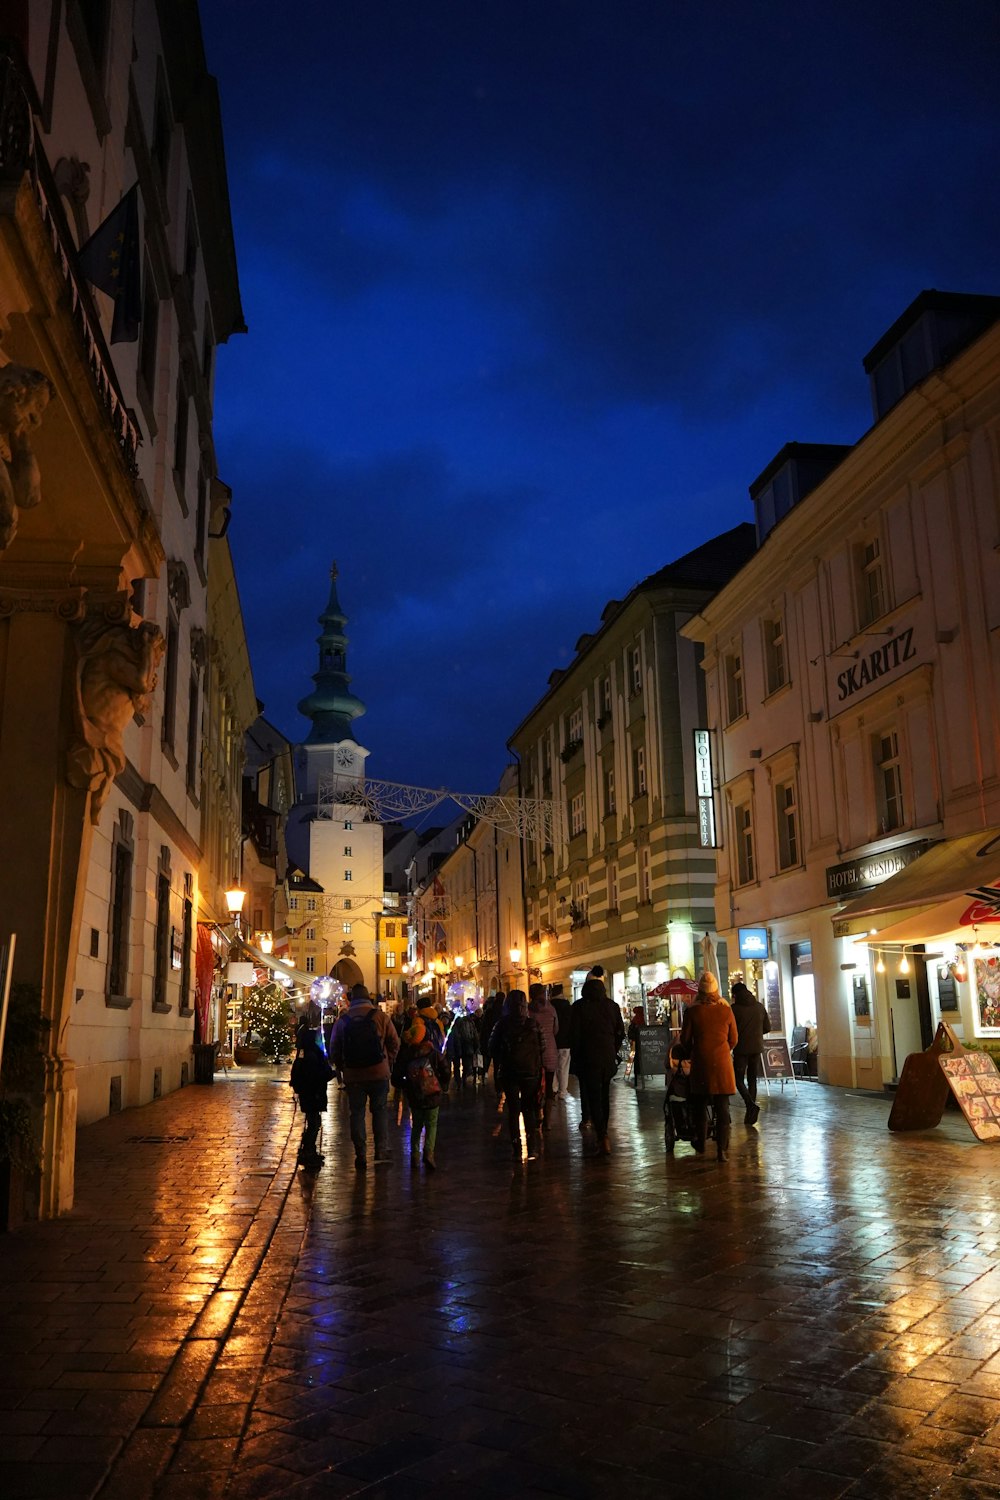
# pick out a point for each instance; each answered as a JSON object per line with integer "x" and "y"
{"x": 605, "y": 1146}
{"x": 429, "y": 1161}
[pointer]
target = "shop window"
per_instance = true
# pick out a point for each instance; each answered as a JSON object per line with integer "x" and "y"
{"x": 735, "y": 697}
{"x": 746, "y": 870}
{"x": 775, "y": 666}
{"x": 889, "y": 782}
{"x": 787, "y": 814}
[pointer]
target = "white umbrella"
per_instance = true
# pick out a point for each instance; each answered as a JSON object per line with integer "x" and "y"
{"x": 709, "y": 961}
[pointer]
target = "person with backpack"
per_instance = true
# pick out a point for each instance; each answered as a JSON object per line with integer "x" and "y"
{"x": 489, "y": 1016}
{"x": 516, "y": 1047}
{"x": 423, "y": 1075}
{"x": 363, "y": 1046}
{"x": 462, "y": 1046}
{"x": 597, "y": 1036}
{"x": 311, "y": 1072}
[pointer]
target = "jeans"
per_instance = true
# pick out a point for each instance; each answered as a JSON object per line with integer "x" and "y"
{"x": 595, "y": 1098}
{"x": 562, "y": 1071}
{"x": 374, "y": 1092}
{"x": 746, "y": 1066}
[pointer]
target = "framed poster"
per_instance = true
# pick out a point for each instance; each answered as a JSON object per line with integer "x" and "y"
{"x": 975, "y": 1082}
{"x": 776, "y": 1058}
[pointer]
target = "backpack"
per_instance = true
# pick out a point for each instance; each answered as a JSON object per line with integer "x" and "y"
{"x": 423, "y": 1086}
{"x": 362, "y": 1044}
{"x": 523, "y": 1058}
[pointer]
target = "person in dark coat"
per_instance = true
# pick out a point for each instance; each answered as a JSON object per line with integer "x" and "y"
{"x": 489, "y": 1016}
{"x": 311, "y": 1072}
{"x": 752, "y": 1025}
{"x": 462, "y": 1046}
{"x": 516, "y": 1047}
{"x": 708, "y": 1037}
{"x": 597, "y": 1034}
{"x": 563, "y": 1010}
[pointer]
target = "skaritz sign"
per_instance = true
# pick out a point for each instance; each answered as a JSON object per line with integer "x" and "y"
{"x": 878, "y": 663}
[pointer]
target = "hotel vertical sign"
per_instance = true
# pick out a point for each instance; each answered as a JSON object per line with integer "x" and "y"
{"x": 703, "y": 780}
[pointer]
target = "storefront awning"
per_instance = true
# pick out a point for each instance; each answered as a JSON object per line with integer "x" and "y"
{"x": 276, "y": 965}
{"x": 953, "y": 888}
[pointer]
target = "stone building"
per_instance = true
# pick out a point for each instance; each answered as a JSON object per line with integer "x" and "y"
{"x": 852, "y": 672}
{"x": 104, "y": 563}
{"x": 621, "y": 877}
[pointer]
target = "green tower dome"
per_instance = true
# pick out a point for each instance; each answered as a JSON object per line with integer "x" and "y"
{"x": 331, "y": 705}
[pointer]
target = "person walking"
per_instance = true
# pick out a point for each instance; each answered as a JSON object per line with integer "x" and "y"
{"x": 516, "y": 1047}
{"x": 422, "y": 1073}
{"x": 598, "y": 1032}
{"x": 311, "y": 1072}
{"x": 563, "y": 1011}
{"x": 462, "y": 1045}
{"x": 752, "y": 1025}
{"x": 708, "y": 1037}
{"x": 363, "y": 1047}
{"x": 545, "y": 1018}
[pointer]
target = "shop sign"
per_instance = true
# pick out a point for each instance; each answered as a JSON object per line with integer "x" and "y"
{"x": 703, "y": 781}
{"x": 881, "y": 662}
{"x": 753, "y": 942}
{"x": 843, "y": 881}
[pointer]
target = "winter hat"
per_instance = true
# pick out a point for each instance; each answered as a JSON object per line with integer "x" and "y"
{"x": 708, "y": 986}
{"x": 415, "y": 1033}
{"x": 359, "y": 992}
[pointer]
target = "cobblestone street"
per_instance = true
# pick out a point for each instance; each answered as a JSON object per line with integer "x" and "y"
{"x": 818, "y": 1317}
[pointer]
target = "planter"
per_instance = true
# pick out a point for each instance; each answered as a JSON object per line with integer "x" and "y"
{"x": 245, "y": 1057}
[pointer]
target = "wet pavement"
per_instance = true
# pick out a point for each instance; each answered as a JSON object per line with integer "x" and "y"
{"x": 820, "y": 1316}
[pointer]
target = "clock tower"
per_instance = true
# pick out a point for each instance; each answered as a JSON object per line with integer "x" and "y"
{"x": 334, "y": 922}
{"x": 330, "y": 746}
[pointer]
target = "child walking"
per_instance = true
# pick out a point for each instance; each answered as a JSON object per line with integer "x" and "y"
{"x": 422, "y": 1073}
{"x": 311, "y": 1072}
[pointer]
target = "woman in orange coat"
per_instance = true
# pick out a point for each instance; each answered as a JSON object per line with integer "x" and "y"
{"x": 708, "y": 1036}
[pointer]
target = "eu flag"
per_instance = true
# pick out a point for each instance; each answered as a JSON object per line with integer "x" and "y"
{"x": 110, "y": 261}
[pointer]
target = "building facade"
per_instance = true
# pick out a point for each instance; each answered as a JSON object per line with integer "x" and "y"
{"x": 851, "y": 675}
{"x": 104, "y": 575}
{"x": 618, "y": 876}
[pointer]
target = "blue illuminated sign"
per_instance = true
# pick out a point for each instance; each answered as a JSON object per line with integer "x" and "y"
{"x": 753, "y": 942}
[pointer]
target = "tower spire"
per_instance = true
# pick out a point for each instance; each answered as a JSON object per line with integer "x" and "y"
{"x": 331, "y": 706}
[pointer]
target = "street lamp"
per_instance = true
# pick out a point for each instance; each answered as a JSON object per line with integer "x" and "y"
{"x": 266, "y": 942}
{"x": 235, "y": 898}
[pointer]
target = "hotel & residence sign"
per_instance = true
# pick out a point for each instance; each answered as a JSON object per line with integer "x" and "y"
{"x": 864, "y": 874}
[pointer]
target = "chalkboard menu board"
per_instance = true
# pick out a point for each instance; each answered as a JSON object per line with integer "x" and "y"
{"x": 654, "y": 1044}
{"x": 975, "y": 1083}
{"x": 777, "y": 1058}
{"x": 772, "y": 996}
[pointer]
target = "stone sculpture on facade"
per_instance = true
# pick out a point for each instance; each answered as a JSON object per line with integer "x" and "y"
{"x": 24, "y": 395}
{"x": 115, "y": 678}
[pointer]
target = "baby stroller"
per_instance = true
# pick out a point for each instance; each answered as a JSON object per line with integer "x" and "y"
{"x": 678, "y": 1116}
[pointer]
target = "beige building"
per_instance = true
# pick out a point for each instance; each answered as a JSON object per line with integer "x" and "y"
{"x": 620, "y": 878}
{"x": 104, "y": 627}
{"x": 852, "y": 668}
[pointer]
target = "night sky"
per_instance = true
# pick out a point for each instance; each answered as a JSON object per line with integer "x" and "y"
{"x": 536, "y": 288}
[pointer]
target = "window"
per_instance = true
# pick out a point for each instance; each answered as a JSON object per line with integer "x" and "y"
{"x": 310, "y": 934}
{"x": 310, "y": 963}
{"x": 606, "y": 697}
{"x": 735, "y": 701}
{"x": 94, "y": 14}
{"x": 162, "y": 131}
{"x": 576, "y": 824}
{"x": 639, "y": 770}
{"x": 310, "y": 903}
{"x": 121, "y": 905}
{"x": 609, "y": 790}
{"x": 889, "y": 782}
{"x": 187, "y": 937}
{"x": 348, "y": 827}
{"x": 201, "y": 515}
{"x": 389, "y": 959}
{"x": 293, "y": 903}
{"x": 193, "y": 736}
{"x": 579, "y": 903}
{"x": 645, "y": 876}
{"x": 348, "y": 875}
{"x": 871, "y": 582}
{"x": 576, "y": 726}
{"x": 635, "y": 669}
{"x": 787, "y": 814}
{"x": 613, "y": 886}
{"x": 345, "y": 927}
{"x": 347, "y": 851}
{"x": 161, "y": 943}
{"x": 181, "y": 429}
{"x": 148, "y": 329}
{"x": 746, "y": 871}
{"x": 775, "y": 670}
{"x": 347, "y": 903}
{"x": 390, "y": 929}
{"x": 170, "y": 682}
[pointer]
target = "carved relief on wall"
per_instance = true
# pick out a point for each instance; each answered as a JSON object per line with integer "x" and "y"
{"x": 116, "y": 674}
{"x": 24, "y": 395}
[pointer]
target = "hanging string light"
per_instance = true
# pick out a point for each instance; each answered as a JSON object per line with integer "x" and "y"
{"x": 960, "y": 968}
{"x": 880, "y": 965}
{"x": 904, "y": 965}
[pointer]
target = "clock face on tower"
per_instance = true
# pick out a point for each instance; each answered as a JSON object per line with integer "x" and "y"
{"x": 345, "y": 757}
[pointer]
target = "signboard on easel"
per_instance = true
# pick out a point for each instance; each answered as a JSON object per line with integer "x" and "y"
{"x": 927, "y": 1076}
{"x": 776, "y": 1062}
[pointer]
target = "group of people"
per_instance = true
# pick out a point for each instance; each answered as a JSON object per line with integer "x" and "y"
{"x": 532, "y": 1042}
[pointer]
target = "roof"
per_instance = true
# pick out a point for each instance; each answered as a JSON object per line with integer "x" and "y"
{"x": 978, "y": 309}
